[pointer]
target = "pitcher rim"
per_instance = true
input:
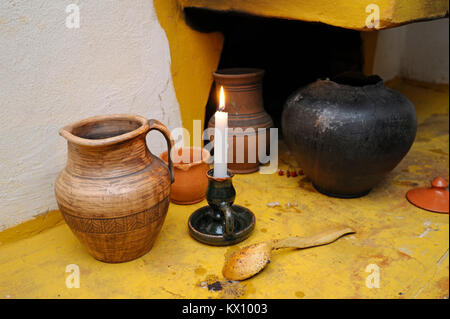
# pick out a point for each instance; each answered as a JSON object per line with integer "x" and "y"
{"x": 67, "y": 130}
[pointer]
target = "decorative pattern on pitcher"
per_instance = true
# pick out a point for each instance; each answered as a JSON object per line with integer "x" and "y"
{"x": 120, "y": 224}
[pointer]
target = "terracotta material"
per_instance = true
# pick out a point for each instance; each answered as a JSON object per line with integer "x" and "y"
{"x": 113, "y": 193}
{"x": 245, "y": 107}
{"x": 348, "y": 133}
{"x": 190, "y": 167}
{"x": 250, "y": 260}
{"x": 434, "y": 199}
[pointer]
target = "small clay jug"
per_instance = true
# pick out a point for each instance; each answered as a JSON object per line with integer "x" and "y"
{"x": 114, "y": 193}
{"x": 245, "y": 107}
{"x": 190, "y": 167}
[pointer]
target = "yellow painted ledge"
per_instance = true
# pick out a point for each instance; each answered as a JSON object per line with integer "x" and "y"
{"x": 349, "y": 14}
{"x": 409, "y": 245}
{"x": 31, "y": 227}
{"x": 194, "y": 56}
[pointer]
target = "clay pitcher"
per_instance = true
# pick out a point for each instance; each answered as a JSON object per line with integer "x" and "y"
{"x": 114, "y": 193}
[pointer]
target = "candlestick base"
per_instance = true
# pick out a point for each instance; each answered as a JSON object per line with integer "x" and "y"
{"x": 221, "y": 223}
{"x": 208, "y": 227}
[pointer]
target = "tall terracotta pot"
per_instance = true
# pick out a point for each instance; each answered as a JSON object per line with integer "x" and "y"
{"x": 245, "y": 107}
{"x": 113, "y": 193}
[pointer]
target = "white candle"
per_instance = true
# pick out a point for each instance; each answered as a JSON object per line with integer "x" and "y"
{"x": 221, "y": 139}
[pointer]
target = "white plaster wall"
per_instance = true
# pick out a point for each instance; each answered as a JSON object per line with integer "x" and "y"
{"x": 426, "y": 52}
{"x": 388, "y": 54}
{"x": 118, "y": 61}
{"x": 417, "y": 51}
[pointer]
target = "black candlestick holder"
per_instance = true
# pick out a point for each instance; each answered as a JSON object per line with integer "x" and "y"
{"x": 221, "y": 223}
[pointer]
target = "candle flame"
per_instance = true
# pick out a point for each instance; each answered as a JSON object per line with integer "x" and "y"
{"x": 222, "y": 99}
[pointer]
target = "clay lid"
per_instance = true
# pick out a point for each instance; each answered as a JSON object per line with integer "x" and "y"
{"x": 434, "y": 199}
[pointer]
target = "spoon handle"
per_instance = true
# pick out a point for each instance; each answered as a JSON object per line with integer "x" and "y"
{"x": 322, "y": 238}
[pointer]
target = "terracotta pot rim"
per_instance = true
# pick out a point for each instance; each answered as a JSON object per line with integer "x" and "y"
{"x": 185, "y": 166}
{"x": 232, "y": 73}
{"x": 67, "y": 131}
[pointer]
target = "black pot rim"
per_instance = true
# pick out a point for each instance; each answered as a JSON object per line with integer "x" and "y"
{"x": 238, "y": 72}
{"x": 359, "y": 80}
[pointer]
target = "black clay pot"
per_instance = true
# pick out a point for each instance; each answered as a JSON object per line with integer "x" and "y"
{"x": 347, "y": 134}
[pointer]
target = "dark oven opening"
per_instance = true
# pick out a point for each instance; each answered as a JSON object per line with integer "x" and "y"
{"x": 292, "y": 53}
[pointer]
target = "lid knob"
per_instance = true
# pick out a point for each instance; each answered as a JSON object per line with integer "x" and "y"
{"x": 439, "y": 182}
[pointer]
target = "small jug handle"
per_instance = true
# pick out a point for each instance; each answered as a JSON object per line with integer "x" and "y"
{"x": 157, "y": 125}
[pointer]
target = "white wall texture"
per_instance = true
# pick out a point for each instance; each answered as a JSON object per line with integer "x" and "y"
{"x": 417, "y": 51}
{"x": 118, "y": 61}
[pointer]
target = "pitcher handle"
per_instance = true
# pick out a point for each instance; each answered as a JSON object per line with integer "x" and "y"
{"x": 157, "y": 125}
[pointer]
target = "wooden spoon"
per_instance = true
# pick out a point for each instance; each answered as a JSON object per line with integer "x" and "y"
{"x": 250, "y": 260}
